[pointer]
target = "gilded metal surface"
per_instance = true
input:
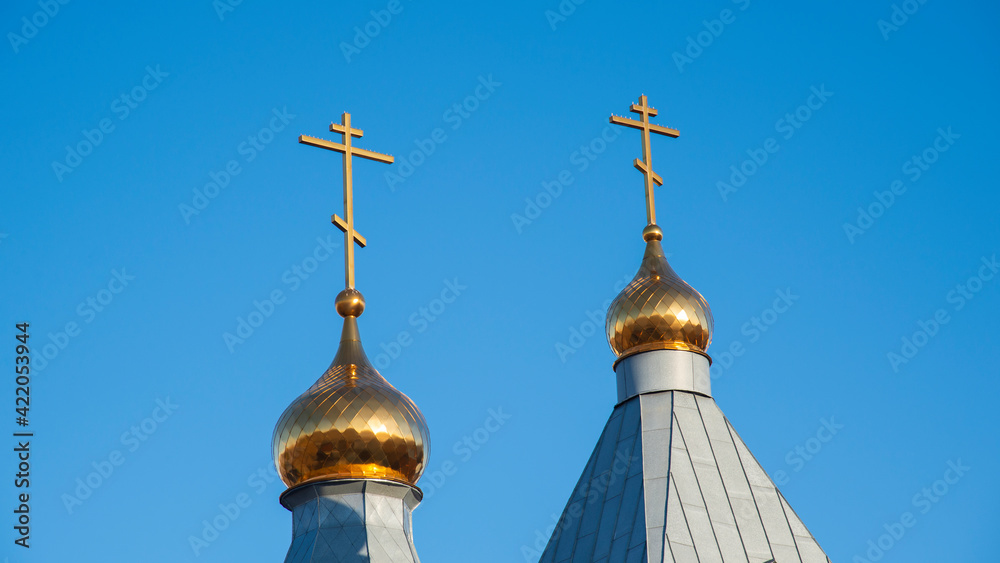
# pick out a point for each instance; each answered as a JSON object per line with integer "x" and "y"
{"x": 347, "y": 225}
{"x": 350, "y": 303}
{"x": 646, "y": 164}
{"x": 351, "y": 424}
{"x": 658, "y": 311}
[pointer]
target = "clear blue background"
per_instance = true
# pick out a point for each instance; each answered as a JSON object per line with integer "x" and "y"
{"x": 495, "y": 347}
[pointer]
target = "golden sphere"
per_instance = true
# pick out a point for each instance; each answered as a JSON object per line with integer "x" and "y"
{"x": 350, "y": 303}
{"x": 658, "y": 310}
{"x": 652, "y": 232}
{"x": 351, "y": 424}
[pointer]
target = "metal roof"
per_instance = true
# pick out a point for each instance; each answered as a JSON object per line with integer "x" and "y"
{"x": 671, "y": 481}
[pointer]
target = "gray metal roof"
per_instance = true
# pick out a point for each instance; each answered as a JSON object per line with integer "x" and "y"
{"x": 671, "y": 481}
{"x": 351, "y": 521}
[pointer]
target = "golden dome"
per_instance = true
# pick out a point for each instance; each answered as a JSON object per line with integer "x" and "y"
{"x": 351, "y": 424}
{"x": 658, "y": 310}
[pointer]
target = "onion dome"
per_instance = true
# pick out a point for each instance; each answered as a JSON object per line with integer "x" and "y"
{"x": 352, "y": 423}
{"x": 658, "y": 310}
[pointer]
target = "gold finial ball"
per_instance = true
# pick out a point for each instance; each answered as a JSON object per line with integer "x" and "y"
{"x": 652, "y": 232}
{"x": 350, "y": 303}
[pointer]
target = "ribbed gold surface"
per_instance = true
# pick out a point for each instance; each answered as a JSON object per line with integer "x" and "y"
{"x": 658, "y": 311}
{"x": 351, "y": 424}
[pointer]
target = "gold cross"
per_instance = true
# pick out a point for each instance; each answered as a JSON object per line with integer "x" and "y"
{"x": 350, "y": 235}
{"x": 646, "y": 165}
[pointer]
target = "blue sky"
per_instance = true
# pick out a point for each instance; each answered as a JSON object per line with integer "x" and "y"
{"x": 119, "y": 116}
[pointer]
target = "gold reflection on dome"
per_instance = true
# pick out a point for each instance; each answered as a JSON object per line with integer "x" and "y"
{"x": 351, "y": 424}
{"x": 658, "y": 310}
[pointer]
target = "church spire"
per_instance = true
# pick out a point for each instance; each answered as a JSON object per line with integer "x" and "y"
{"x": 670, "y": 480}
{"x": 352, "y": 447}
{"x": 658, "y": 310}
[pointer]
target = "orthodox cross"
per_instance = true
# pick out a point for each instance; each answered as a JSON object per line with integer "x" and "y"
{"x": 347, "y": 225}
{"x": 646, "y": 165}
